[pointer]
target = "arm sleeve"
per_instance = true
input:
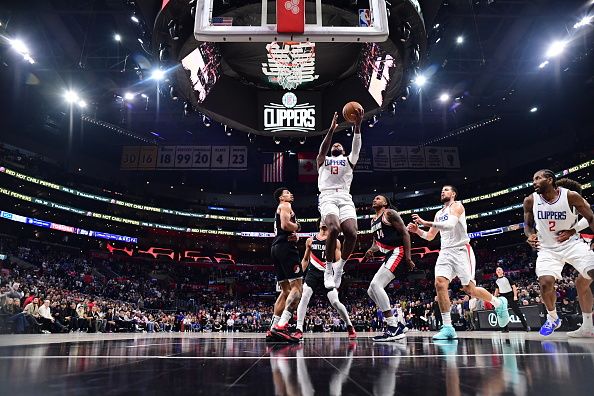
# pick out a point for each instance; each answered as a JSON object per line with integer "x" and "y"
{"x": 354, "y": 155}
{"x": 448, "y": 224}
{"x": 581, "y": 225}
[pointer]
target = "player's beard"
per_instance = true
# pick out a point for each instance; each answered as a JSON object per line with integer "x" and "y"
{"x": 336, "y": 153}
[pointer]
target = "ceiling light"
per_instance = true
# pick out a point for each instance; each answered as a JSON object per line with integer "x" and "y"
{"x": 420, "y": 80}
{"x": 71, "y": 96}
{"x": 534, "y": 109}
{"x": 129, "y": 96}
{"x": 145, "y": 96}
{"x": 135, "y": 19}
{"x": 140, "y": 41}
{"x": 117, "y": 37}
{"x": 444, "y": 97}
{"x": 584, "y": 21}
{"x": 459, "y": 40}
{"x": 19, "y": 46}
{"x": 82, "y": 104}
{"x": 556, "y": 48}
{"x": 158, "y": 74}
{"x": 543, "y": 64}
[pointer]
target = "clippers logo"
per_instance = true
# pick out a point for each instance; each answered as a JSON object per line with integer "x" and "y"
{"x": 289, "y": 116}
{"x": 293, "y": 6}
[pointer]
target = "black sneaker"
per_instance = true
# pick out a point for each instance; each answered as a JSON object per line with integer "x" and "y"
{"x": 392, "y": 333}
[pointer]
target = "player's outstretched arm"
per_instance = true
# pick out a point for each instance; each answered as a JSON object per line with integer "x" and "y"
{"x": 396, "y": 222}
{"x": 427, "y": 235}
{"x": 356, "y": 145}
{"x": 582, "y": 206}
{"x": 327, "y": 142}
{"x": 307, "y": 254}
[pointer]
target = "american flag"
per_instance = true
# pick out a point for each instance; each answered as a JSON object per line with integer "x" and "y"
{"x": 221, "y": 21}
{"x": 272, "y": 170}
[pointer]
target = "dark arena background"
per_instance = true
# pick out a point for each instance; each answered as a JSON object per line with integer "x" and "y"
{"x": 141, "y": 142}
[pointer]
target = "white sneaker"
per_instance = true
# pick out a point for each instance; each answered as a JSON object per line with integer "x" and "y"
{"x": 329, "y": 277}
{"x": 581, "y": 333}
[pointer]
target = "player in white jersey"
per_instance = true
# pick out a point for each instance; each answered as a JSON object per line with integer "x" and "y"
{"x": 337, "y": 210}
{"x": 547, "y": 211}
{"x": 456, "y": 259}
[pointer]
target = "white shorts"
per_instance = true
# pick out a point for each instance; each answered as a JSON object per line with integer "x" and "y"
{"x": 339, "y": 204}
{"x": 577, "y": 254}
{"x": 456, "y": 262}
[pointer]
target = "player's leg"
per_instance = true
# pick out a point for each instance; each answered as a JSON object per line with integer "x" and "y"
{"x": 584, "y": 264}
{"x": 329, "y": 213}
{"x": 548, "y": 269}
{"x": 290, "y": 263}
{"x": 342, "y": 311}
{"x": 348, "y": 225}
{"x": 302, "y": 307}
{"x": 394, "y": 330}
{"x": 281, "y": 300}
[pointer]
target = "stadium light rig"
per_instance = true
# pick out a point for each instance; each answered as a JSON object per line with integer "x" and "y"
{"x": 584, "y": 21}
{"x": 20, "y": 47}
{"x": 117, "y": 37}
{"x": 420, "y": 80}
{"x": 459, "y": 40}
{"x": 444, "y": 97}
{"x": 556, "y": 48}
{"x": 158, "y": 74}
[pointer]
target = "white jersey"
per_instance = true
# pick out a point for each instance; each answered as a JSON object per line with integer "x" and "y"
{"x": 456, "y": 237}
{"x": 336, "y": 173}
{"x": 552, "y": 217}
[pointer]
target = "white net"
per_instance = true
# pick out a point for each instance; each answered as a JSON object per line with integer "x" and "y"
{"x": 290, "y": 64}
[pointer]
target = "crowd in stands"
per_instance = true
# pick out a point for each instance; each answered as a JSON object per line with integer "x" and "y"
{"x": 46, "y": 289}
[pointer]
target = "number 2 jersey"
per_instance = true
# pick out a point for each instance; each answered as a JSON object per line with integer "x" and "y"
{"x": 552, "y": 217}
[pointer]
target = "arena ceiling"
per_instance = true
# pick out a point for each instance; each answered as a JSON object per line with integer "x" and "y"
{"x": 493, "y": 72}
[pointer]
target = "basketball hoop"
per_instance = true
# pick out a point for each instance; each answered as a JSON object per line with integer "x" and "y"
{"x": 290, "y": 63}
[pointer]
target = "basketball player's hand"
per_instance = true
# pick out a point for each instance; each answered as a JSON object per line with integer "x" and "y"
{"x": 358, "y": 116}
{"x": 412, "y": 227}
{"x": 533, "y": 241}
{"x": 411, "y": 264}
{"x": 293, "y": 237}
{"x": 368, "y": 255}
{"x": 417, "y": 219}
{"x": 564, "y": 235}
{"x": 334, "y": 123}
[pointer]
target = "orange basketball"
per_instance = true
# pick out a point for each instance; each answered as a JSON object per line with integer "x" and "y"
{"x": 349, "y": 111}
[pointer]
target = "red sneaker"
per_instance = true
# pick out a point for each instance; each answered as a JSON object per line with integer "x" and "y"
{"x": 298, "y": 334}
{"x": 282, "y": 333}
{"x": 352, "y": 332}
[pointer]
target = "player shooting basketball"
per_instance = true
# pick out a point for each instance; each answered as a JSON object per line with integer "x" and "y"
{"x": 335, "y": 174}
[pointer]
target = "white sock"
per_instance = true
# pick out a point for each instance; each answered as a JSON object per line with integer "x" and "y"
{"x": 339, "y": 264}
{"x": 392, "y": 321}
{"x": 275, "y": 320}
{"x": 495, "y": 301}
{"x": 284, "y": 319}
{"x": 329, "y": 269}
{"x": 587, "y": 320}
{"x": 553, "y": 314}
{"x": 447, "y": 319}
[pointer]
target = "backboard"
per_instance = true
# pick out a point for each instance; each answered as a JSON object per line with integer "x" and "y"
{"x": 291, "y": 21}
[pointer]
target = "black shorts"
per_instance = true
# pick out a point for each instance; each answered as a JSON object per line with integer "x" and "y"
{"x": 287, "y": 262}
{"x": 314, "y": 278}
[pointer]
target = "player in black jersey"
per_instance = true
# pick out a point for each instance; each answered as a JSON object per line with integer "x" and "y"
{"x": 288, "y": 266}
{"x": 391, "y": 238}
{"x": 314, "y": 264}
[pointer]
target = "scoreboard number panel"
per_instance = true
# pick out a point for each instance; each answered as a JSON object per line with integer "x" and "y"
{"x": 220, "y": 157}
{"x": 184, "y": 156}
{"x": 201, "y": 157}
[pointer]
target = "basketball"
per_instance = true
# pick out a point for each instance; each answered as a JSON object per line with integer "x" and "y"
{"x": 349, "y": 111}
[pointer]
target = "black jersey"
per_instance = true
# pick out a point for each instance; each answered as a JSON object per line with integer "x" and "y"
{"x": 281, "y": 236}
{"x": 387, "y": 238}
{"x": 317, "y": 256}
